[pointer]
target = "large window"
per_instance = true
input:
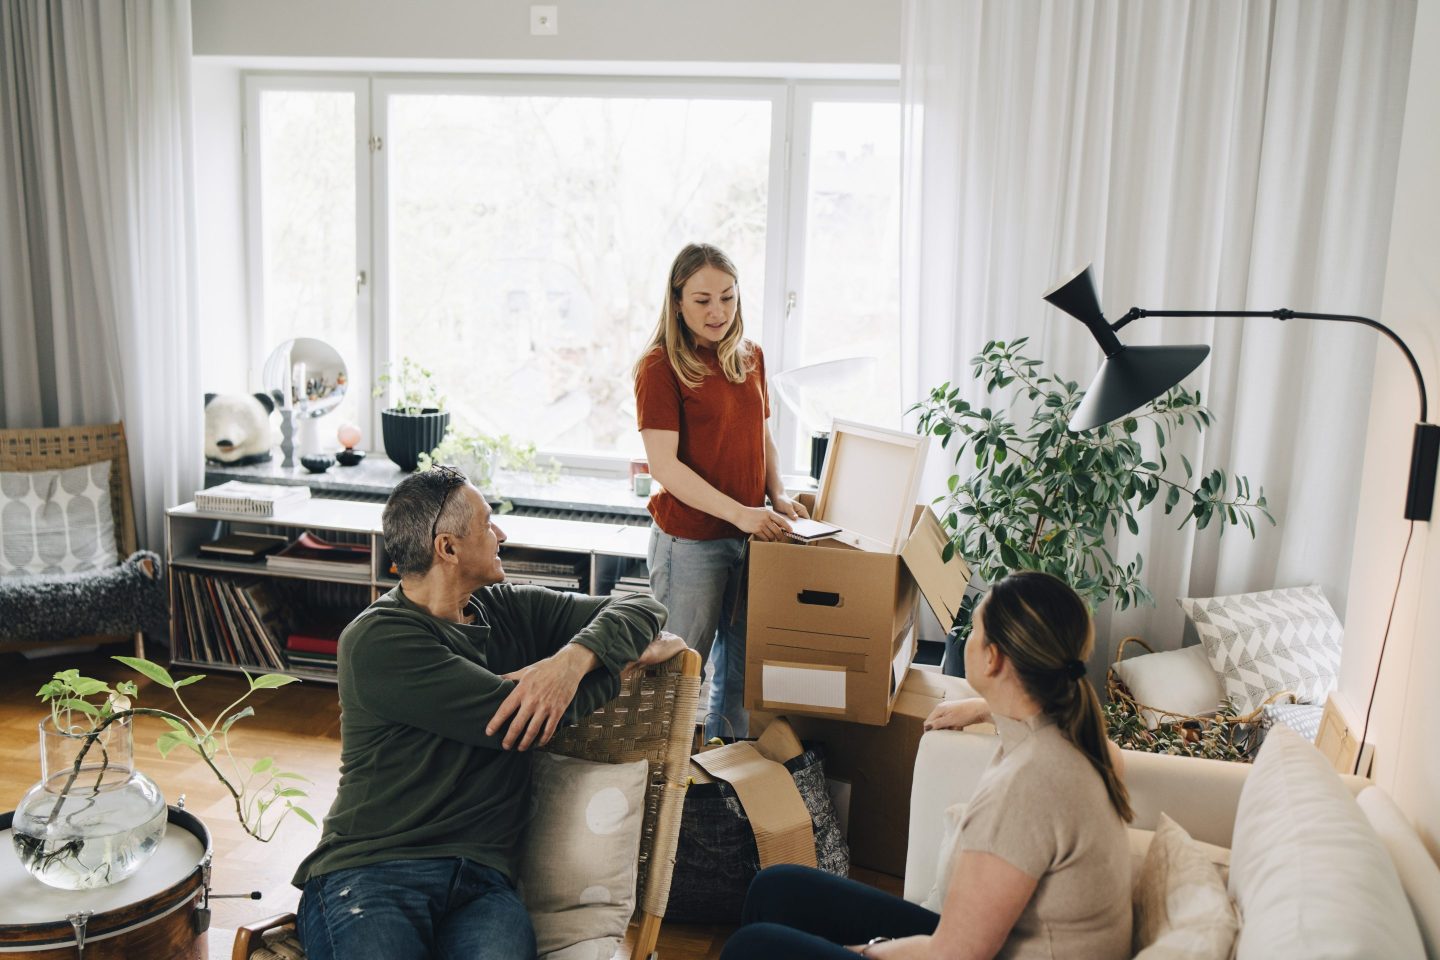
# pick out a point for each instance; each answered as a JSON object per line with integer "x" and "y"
{"x": 514, "y": 236}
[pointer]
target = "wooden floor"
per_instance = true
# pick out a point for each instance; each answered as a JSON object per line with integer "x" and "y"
{"x": 299, "y": 726}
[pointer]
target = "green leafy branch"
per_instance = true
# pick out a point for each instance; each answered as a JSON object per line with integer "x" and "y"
{"x": 257, "y": 789}
{"x": 1040, "y": 496}
{"x": 414, "y": 387}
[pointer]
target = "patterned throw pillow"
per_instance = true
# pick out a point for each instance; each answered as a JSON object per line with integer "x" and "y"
{"x": 1303, "y": 718}
{"x": 1270, "y": 642}
{"x": 56, "y": 521}
{"x": 578, "y": 857}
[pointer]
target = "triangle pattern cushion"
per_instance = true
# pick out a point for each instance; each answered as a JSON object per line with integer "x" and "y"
{"x": 1274, "y": 641}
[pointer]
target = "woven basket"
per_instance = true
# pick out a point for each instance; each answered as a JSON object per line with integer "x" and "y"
{"x": 1119, "y": 693}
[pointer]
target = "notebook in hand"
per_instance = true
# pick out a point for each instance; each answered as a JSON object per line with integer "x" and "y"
{"x": 805, "y": 530}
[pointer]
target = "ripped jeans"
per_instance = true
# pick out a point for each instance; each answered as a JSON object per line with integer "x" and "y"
{"x": 443, "y": 909}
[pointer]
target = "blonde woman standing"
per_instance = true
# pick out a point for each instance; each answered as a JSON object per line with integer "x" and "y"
{"x": 702, "y": 405}
{"x": 1042, "y": 865}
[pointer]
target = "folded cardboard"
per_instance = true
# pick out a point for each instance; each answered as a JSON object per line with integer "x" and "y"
{"x": 777, "y": 813}
{"x": 832, "y": 626}
{"x": 878, "y": 764}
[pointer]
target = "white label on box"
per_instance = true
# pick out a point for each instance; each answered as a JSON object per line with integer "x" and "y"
{"x": 903, "y": 658}
{"x": 803, "y": 686}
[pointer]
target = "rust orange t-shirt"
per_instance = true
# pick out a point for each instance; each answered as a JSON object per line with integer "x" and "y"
{"x": 722, "y": 437}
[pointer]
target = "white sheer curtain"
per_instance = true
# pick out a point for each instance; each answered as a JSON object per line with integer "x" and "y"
{"x": 97, "y": 289}
{"x": 1227, "y": 154}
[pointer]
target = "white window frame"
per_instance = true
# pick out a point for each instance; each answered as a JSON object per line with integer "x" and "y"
{"x": 791, "y": 106}
{"x": 360, "y": 369}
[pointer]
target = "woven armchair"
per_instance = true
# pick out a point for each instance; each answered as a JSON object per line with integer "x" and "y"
{"x": 60, "y": 448}
{"x": 652, "y": 718}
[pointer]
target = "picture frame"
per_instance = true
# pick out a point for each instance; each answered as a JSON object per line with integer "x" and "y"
{"x": 869, "y": 484}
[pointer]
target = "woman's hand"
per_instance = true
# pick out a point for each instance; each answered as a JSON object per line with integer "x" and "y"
{"x": 786, "y": 507}
{"x": 762, "y": 523}
{"x": 918, "y": 946}
{"x": 958, "y": 714}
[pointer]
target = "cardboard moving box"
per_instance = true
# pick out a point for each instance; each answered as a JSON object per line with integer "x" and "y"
{"x": 878, "y": 764}
{"x": 832, "y": 626}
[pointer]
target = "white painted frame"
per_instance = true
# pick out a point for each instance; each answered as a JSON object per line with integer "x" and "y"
{"x": 910, "y": 449}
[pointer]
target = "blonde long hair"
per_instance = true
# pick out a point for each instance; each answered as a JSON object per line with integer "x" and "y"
{"x": 675, "y": 338}
{"x": 1045, "y": 629}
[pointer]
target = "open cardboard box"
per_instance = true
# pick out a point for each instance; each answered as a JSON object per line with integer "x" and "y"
{"x": 832, "y": 622}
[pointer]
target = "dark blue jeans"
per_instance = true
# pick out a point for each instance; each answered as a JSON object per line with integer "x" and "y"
{"x": 798, "y": 913}
{"x": 442, "y": 909}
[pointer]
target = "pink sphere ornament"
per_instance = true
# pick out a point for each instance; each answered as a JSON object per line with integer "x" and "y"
{"x": 348, "y": 435}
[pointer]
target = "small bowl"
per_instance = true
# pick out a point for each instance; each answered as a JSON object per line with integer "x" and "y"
{"x": 317, "y": 462}
{"x": 349, "y": 457}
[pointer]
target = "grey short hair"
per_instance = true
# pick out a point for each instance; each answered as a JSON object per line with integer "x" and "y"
{"x": 410, "y": 514}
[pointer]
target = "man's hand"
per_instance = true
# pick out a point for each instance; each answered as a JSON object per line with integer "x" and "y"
{"x": 958, "y": 714}
{"x": 662, "y": 648}
{"x": 542, "y": 693}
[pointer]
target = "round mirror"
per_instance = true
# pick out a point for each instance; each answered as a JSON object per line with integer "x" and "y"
{"x": 307, "y": 375}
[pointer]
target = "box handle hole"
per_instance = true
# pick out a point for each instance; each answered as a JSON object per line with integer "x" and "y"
{"x": 820, "y": 598}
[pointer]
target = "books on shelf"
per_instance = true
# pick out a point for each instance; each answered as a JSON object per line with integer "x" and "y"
{"x": 250, "y": 499}
{"x": 310, "y": 554}
{"x": 631, "y": 585}
{"x": 555, "y": 574}
{"x": 243, "y": 546}
{"x": 234, "y": 620}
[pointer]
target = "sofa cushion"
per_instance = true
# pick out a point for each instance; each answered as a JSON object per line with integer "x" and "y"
{"x": 578, "y": 857}
{"x": 1182, "y": 911}
{"x": 1141, "y": 839}
{"x": 57, "y": 521}
{"x": 1307, "y": 872}
{"x": 1275, "y": 641}
{"x": 945, "y": 863}
{"x": 1179, "y": 682}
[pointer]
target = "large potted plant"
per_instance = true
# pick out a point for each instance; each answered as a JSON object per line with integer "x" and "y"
{"x": 416, "y": 420}
{"x": 1029, "y": 493}
{"x": 93, "y": 818}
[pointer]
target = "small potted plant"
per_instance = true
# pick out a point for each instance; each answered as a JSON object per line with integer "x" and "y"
{"x": 93, "y": 819}
{"x": 416, "y": 420}
{"x": 480, "y": 455}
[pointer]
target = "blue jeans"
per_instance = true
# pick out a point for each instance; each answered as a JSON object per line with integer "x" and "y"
{"x": 799, "y": 913}
{"x": 701, "y": 582}
{"x": 443, "y": 909}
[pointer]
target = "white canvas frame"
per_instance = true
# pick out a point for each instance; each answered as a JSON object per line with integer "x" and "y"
{"x": 869, "y": 484}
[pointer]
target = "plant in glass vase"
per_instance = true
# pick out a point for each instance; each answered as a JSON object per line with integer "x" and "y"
{"x": 93, "y": 819}
{"x": 416, "y": 419}
{"x": 1042, "y": 497}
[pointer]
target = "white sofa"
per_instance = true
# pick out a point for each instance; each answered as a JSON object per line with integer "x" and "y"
{"x": 1203, "y": 796}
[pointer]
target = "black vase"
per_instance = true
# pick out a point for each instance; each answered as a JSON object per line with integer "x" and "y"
{"x": 407, "y": 435}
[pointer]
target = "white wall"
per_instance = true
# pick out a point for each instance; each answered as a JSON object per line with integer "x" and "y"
{"x": 220, "y": 220}
{"x": 1406, "y": 716}
{"x": 777, "y": 31}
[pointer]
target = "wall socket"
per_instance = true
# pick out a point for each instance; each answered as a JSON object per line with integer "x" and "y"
{"x": 544, "y": 21}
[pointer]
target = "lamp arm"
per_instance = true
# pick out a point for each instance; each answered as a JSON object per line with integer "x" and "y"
{"x": 1135, "y": 313}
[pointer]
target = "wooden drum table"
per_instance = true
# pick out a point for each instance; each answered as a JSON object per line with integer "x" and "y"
{"x": 160, "y": 913}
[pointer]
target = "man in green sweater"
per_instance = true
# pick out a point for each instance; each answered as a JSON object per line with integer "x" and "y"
{"x": 443, "y": 690}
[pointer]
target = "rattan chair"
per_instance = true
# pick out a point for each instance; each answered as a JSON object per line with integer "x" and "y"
{"x": 652, "y": 718}
{"x": 60, "y": 448}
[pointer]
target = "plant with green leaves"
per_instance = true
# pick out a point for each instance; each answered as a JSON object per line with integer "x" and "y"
{"x": 1219, "y": 737}
{"x": 480, "y": 454}
{"x": 413, "y": 387}
{"x": 259, "y": 789}
{"x": 1043, "y": 497}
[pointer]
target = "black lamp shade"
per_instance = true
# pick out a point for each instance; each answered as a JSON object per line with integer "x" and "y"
{"x": 1076, "y": 296}
{"x": 1131, "y": 378}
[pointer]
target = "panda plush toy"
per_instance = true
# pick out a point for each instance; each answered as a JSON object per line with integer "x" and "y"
{"x": 238, "y": 428}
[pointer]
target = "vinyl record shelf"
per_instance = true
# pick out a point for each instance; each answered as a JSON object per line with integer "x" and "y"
{"x": 208, "y": 632}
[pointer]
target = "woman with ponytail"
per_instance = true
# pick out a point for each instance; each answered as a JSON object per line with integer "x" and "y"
{"x": 1042, "y": 865}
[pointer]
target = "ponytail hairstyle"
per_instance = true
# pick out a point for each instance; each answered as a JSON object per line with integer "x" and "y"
{"x": 671, "y": 334}
{"x": 1044, "y": 627}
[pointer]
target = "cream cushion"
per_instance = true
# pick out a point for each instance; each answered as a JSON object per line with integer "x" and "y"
{"x": 1307, "y": 871}
{"x": 578, "y": 859}
{"x": 57, "y": 521}
{"x": 1177, "y": 681}
{"x": 1182, "y": 911}
{"x": 945, "y": 863}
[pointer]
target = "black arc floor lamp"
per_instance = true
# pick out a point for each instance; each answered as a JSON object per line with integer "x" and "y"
{"x": 1130, "y": 377}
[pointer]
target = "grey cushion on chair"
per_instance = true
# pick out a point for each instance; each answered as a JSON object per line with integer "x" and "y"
{"x": 56, "y": 521}
{"x": 120, "y": 600}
